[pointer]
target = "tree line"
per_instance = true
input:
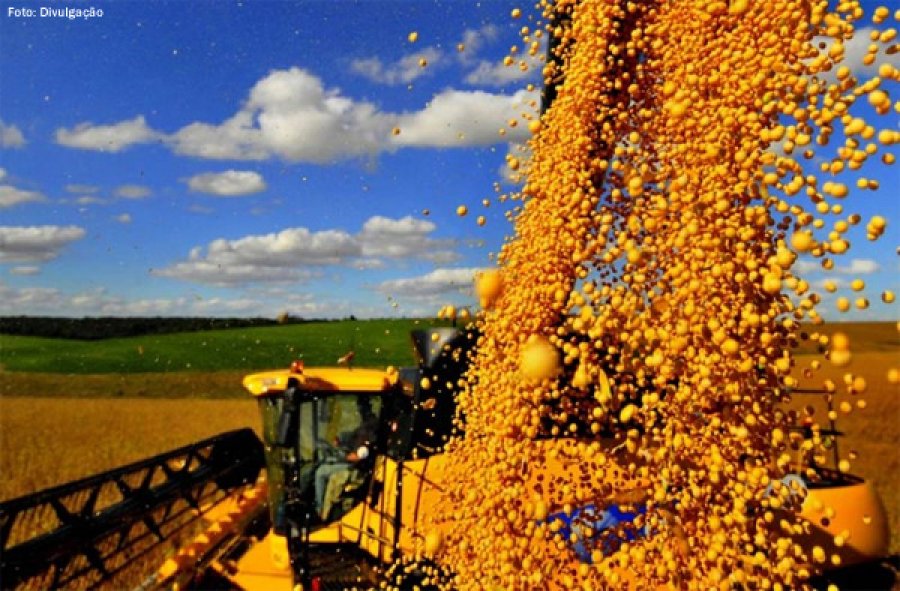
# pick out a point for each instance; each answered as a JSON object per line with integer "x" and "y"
{"x": 96, "y": 328}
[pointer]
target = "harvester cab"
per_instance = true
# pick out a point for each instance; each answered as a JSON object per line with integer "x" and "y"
{"x": 336, "y": 438}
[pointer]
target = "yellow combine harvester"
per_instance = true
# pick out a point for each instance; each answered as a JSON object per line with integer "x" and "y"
{"x": 353, "y": 469}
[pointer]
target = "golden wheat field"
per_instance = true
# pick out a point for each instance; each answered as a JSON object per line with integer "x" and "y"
{"x": 871, "y": 434}
{"x": 48, "y": 441}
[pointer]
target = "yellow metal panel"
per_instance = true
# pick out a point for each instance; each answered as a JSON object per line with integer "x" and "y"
{"x": 854, "y": 512}
{"x": 265, "y": 566}
{"x": 320, "y": 379}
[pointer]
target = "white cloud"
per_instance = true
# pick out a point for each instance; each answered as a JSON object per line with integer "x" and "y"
{"x": 25, "y": 244}
{"x": 211, "y": 273}
{"x": 856, "y": 267}
{"x": 499, "y": 74}
{"x": 2, "y": 173}
{"x": 403, "y": 71}
{"x": 79, "y": 189}
{"x": 473, "y": 40}
{"x": 11, "y": 136}
{"x": 230, "y": 183}
{"x": 859, "y": 267}
{"x": 855, "y": 49}
{"x": 200, "y": 209}
{"x": 460, "y": 118}
{"x": 806, "y": 266}
{"x": 10, "y": 196}
{"x": 286, "y": 248}
{"x": 291, "y": 115}
{"x": 90, "y": 200}
{"x": 237, "y": 138}
{"x": 267, "y": 302}
{"x": 133, "y": 191}
{"x": 272, "y": 258}
{"x": 108, "y": 138}
{"x": 404, "y": 238}
{"x": 25, "y": 270}
{"x": 837, "y": 283}
{"x": 123, "y": 218}
{"x": 98, "y": 302}
{"x": 437, "y": 282}
{"x": 295, "y": 254}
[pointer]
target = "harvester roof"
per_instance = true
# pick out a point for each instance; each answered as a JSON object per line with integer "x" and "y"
{"x": 321, "y": 379}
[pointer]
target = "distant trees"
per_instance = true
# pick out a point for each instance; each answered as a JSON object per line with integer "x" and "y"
{"x": 95, "y": 328}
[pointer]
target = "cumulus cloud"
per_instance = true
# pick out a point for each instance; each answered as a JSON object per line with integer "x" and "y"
{"x": 237, "y": 138}
{"x": 403, "y": 71}
{"x": 837, "y": 283}
{"x": 856, "y": 267}
{"x": 457, "y": 118}
{"x": 27, "y": 244}
{"x": 99, "y": 302}
{"x": 805, "y": 266}
{"x": 11, "y": 136}
{"x": 133, "y": 191}
{"x": 79, "y": 189}
{"x": 230, "y": 183}
{"x": 499, "y": 74}
{"x": 859, "y": 267}
{"x": 198, "y": 270}
{"x": 438, "y": 282}
{"x": 2, "y": 173}
{"x": 25, "y": 270}
{"x": 10, "y": 196}
{"x": 856, "y": 48}
{"x": 285, "y": 248}
{"x": 108, "y": 138}
{"x": 282, "y": 257}
{"x": 123, "y": 218}
{"x": 90, "y": 200}
{"x": 291, "y": 115}
{"x": 474, "y": 40}
{"x": 407, "y": 237}
{"x": 296, "y": 254}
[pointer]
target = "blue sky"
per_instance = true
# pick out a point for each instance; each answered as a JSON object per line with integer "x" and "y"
{"x": 238, "y": 158}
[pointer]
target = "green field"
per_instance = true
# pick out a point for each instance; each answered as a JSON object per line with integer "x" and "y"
{"x": 210, "y": 364}
{"x": 377, "y": 343}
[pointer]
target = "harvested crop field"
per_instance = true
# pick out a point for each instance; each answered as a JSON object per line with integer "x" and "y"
{"x": 871, "y": 434}
{"x": 49, "y": 441}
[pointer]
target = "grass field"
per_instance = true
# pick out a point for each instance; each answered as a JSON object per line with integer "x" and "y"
{"x": 377, "y": 343}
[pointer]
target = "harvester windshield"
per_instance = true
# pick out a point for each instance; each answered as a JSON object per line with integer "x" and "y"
{"x": 337, "y": 440}
{"x": 322, "y": 446}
